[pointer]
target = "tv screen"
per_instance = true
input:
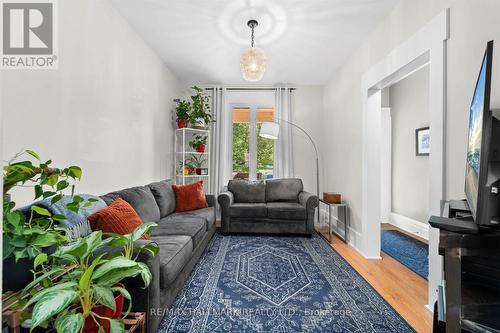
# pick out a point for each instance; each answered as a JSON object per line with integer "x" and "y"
{"x": 476, "y": 127}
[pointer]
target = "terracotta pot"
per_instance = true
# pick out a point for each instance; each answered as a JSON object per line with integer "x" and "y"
{"x": 90, "y": 325}
{"x": 201, "y": 148}
{"x": 182, "y": 123}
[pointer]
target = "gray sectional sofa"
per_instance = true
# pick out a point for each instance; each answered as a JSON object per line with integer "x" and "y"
{"x": 274, "y": 206}
{"x": 182, "y": 238}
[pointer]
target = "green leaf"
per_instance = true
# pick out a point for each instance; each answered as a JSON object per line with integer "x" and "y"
{"x": 40, "y": 210}
{"x": 118, "y": 263}
{"x": 117, "y": 275}
{"x": 75, "y": 172}
{"x": 77, "y": 249}
{"x": 7, "y": 248}
{"x": 61, "y": 286}
{"x": 142, "y": 229}
{"x": 51, "y": 304}
{"x": 94, "y": 241}
{"x": 52, "y": 180}
{"x": 42, "y": 277}
{"x": 70, "y": 323}
{"x": 14, "y": 219}
{"x": 104, "y": 296}
{"x": 44, "y": 240}
{"x": 87, "y": 275}
{"x": 116, "y": 326}
{"x": 59, "y": 217}
{"x": 32, "y": 153}
{"x": 56, "y": 198}
{"x": 40, "y": 259}
{"x": 152, "y": 248}
{"x": 38, "y": 191}
{"x": 62, "y": 185}
{"x": 126, "y": 295}
{"x": 21, "y": 254}
{"x": 92, "y": 200}
{"x": 145, "y": 274}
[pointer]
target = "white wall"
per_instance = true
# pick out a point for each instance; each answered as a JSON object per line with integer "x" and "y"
{"x": 307, "y": 114}
{"x": 409, "y": 101}
{"x": 107, "y": 108}
{"x": 473, "y": 23}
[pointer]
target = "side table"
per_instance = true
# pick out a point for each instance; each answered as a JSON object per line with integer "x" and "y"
{"x": 335, "y": 222}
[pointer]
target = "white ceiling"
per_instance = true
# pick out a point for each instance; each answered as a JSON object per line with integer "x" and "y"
{"x": 304, "y": 40}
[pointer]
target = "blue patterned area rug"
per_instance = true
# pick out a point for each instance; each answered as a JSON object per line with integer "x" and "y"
{"x": 271, "y": 284}
{"x": 409, "y": 251}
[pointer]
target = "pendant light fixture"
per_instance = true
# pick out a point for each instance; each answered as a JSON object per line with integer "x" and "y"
{"x": 253, "y": 59}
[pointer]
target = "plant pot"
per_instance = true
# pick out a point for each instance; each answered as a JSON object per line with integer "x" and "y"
{"x": 182, "y": 123}
{"x": 198, "y": 171}
{"x": 91, "y": 326}
{"x": 201, "y": 148}
{"x": 19, "y": 275}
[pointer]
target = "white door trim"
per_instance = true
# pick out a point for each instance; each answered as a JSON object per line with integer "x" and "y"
{"x": 427, "y": 46}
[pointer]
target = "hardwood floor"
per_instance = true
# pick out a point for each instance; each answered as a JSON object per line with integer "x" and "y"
{"x": 400, "y": 287}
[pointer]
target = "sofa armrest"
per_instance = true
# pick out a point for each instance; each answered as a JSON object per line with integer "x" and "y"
{"x": 310, "y": 202}
{"x": 210, "y": 200}
{"x": 225, "y": 199}
{"x": 143, "y": 299}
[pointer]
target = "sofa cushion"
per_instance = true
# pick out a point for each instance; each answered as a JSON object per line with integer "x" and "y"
{"x": 164, "y": 196}
{"x": 189, "y": 197}
{"x": 286, "y": 189}
{"x": 286, "y": 211}
{"x": 247, "y": 191}
{"x": 175, "y": 252}
{"x": 248, "y": 210}
{"x": 140, "y": 198}
{"x": 193, "y": 227}
{"x": 207, "y": 214}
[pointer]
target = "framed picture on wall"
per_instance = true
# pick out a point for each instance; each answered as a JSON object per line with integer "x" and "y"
{"x": 423, "y": 141}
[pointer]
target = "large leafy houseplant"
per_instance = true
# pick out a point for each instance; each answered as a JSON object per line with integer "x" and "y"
{"x": 70, "y": 304}
{"x": 200, "y": 115}
{"x": 29, "y": 235}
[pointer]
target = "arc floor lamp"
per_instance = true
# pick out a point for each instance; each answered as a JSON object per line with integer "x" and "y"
{"x": 271, "y": 130}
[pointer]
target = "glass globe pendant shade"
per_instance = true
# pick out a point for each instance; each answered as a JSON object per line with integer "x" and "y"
{"x": 253, "y": 64}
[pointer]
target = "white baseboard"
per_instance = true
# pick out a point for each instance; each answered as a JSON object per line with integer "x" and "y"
{"x": 409, "y": 225}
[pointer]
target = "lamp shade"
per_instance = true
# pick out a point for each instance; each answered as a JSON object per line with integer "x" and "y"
{"x": 269, "y": 130}
{"x": 253, "y": 64}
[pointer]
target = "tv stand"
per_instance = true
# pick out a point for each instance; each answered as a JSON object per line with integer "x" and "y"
{"x": 471, "y": 273}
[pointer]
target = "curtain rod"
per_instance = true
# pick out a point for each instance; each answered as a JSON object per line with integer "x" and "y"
{"x": 252, "y": 89}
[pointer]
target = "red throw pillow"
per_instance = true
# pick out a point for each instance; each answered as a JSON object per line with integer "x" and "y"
{"x": 189, "y": 197}
{"x": 119, "y": 218}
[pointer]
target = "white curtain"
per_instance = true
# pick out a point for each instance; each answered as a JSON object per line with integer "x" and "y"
{"x": 283, "y": 147}
{"x": 220, "y": 147}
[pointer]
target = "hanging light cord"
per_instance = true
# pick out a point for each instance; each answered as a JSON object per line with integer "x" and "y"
{"x": 252, "y": 27}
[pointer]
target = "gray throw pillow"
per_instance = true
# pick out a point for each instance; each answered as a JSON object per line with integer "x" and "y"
{"x": 140, "y": 198}
{"x": 285, "y": 189}
{"x": 245, "y": 191}
{"x": 164, "y": 196}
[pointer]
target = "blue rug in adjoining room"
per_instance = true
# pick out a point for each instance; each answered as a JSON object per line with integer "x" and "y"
{"x": 409, "y": 251}
{"x": 278, "y": 284}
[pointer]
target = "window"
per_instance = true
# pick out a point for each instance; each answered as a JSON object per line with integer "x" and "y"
{"x": 253, "y": 156}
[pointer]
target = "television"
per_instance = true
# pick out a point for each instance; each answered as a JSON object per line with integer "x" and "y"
{"x": 483, "y": 161}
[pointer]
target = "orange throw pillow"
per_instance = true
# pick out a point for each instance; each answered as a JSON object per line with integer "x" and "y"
{"x": 189, "y": 197}
{"x": 119, "y": 218}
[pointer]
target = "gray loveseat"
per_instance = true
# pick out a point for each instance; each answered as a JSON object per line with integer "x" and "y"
{"x": 275, "y": 206}
{"x": 182, "y": 238}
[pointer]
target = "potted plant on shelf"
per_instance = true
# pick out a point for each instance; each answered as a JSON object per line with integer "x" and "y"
{"x": 197, "y": 161}
{"x": 198, "y": 143}
{"x": 182, "y": 111}
{"x": 32, "y": 233}
{"x": 88, "y": 298}
{"x": 200, "y": 116}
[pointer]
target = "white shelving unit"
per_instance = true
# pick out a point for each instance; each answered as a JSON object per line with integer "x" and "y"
{"x": 183, "y": 153}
